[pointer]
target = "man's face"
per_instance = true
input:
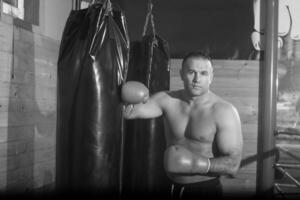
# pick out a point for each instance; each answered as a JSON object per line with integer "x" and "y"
{"x": 196, "y": 75}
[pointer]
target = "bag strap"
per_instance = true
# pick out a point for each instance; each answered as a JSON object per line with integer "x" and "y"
{"x": 150, "y": 17}
{"x": 107, "y": 6}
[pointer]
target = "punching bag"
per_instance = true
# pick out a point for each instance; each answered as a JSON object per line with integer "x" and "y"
{"x": 144, "y": 138}
{"x": 92, "y": 65}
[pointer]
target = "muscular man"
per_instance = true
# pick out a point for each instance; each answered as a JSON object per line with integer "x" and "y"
{"x": 203, "y": 131}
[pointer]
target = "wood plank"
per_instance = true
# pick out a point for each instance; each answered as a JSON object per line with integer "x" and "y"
{"x": 19, "y": 161}
{"x": 220, "y": 64}
{"x": 26, "y": 105}
{"x": 34, "y": 65}
{"x": 18, "y": 147}
{"x": 29, "y": 145}
{"x": 20, "y": 179}
{"x": 237, "y": 92}
{"x": 5, "y": 61}
{"x": 28, "y": 159}
{"x": 23, "y": 48}
{"x": 28, "y": 78}
{"x": 234, "y": 82}
{"x": 3, "y": 119}
{"x": 17, "y": 133}
{"x": 3, "y": 150}
{"x": 46, "y": 42}
{"x": 224, "y": 83}
{"x": 38, "y": 39}
{"x": 32, "y": 176}
{"x": 45, "y": 141}
{"x": 30, "y": 92}
{"x": 44, "y": 155}
{"x": 26, "y": 118}
{"x": 43, "y": 53}
{"x": 44, "y": 173}
{"x": 235, "y": 63}
{"x": 2, "y": 177}
{"x": 6, "y": 33}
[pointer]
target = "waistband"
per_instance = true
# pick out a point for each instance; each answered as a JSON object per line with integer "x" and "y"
{"x": 208, "y": 186}
{"x": 214, "y": 180}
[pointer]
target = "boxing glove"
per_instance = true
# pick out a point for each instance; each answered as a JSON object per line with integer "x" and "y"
{"x": 134, "y": 92}
{"x": 178, "y": 159}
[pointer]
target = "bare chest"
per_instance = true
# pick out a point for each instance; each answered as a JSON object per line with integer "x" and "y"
{"x": 196, "y": 125}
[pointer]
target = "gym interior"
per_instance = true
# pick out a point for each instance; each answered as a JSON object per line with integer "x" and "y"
{"x": 51, "y": 100}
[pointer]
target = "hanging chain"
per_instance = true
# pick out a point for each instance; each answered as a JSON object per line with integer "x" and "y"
{"x": 149, "y": 15}
{"x": 154, "y": 40}
{"x": 108, "y": 9}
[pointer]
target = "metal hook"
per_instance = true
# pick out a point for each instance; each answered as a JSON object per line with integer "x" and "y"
{"x": 150, "y": 6}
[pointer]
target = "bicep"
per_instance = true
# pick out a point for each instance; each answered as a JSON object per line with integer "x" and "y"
{"x": 229, "y": 135}
{"x": 150, "y": 109}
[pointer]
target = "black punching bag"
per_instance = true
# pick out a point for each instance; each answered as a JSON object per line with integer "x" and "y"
{"x": 92, "y": 65}
{"x": 144, "y": 138}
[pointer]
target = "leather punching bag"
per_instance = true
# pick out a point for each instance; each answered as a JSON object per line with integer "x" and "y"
{"x": 144, "y": 138}
{"x": 92, "y": 65}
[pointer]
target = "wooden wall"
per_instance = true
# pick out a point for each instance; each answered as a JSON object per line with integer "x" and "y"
{"x": 236, "y": 81}
{"x": 27, "y": 108}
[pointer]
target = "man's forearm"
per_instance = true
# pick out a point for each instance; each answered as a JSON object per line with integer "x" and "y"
{"x": 225, "y": 165}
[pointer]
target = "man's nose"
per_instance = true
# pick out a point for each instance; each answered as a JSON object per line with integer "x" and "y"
{"x": 197, "y": 77}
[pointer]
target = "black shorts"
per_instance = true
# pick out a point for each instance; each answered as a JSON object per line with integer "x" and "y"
{"x": 207, "y": 189}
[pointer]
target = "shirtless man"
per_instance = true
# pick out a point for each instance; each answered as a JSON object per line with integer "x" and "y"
{"x": 203, "y": 131}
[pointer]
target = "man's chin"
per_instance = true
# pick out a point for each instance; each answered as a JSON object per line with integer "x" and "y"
{"x": 195, "y": 94}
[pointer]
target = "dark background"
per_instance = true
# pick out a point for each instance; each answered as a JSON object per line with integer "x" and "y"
{"x": 220, "y": 28}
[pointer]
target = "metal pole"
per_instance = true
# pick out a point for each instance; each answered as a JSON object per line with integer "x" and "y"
{"x": 267, "y": 104}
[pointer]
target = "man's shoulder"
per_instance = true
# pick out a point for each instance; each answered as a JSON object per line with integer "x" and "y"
{"x": 220, "y": 105}
{"x": 175, "y": 93}
{"x": 160, "y": 96}
{"x": 169, "y": 94}
{"x": 225, "y": 114}
{"x": 166, "y": 97}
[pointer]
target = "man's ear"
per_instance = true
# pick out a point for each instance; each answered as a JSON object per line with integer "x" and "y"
{"x": 211, "y": 77}
{"x": 181, "y": 74}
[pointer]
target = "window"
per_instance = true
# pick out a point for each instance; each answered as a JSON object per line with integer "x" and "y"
{"x": 84, "y": 4}
{"x": 14, "y": 8}
{"x": 25, "y": 10}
